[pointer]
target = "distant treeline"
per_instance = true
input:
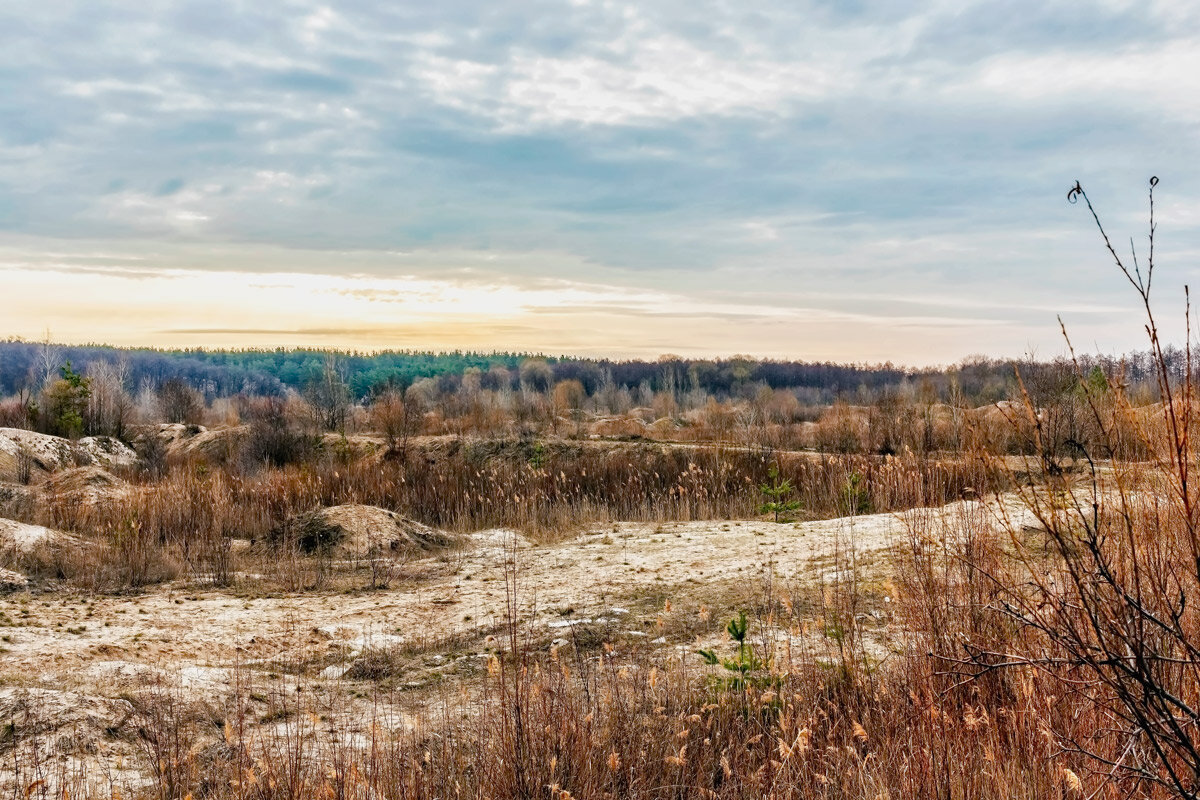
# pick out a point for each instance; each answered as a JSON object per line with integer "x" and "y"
{"x": 217, "y": 373}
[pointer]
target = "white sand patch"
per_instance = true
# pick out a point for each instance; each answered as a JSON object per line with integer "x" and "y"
{"x": 468, "y": 593}
{"x": 108, "y": 451}
{"x": 49, "y": 452}
{"x": 24, "y": 538}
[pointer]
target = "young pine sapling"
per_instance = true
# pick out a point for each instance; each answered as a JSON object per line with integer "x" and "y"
{"x": 776, "y": 494}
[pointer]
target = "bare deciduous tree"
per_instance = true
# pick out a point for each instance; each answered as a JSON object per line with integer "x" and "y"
{"x": 179, "y": 402}
{"x": 397, "y": 415}
{"x": 109, "y": 406}
{"x": 329, "y": 396}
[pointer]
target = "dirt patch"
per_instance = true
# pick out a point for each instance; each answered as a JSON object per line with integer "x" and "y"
{"x": 12, "y": 581}
{"x": 463, "y": 593}
{"x": 87, "y": 718}
{"x": 49, "y": 735}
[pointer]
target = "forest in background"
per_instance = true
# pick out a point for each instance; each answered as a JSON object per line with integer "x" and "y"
{"x": 977, "y": 380}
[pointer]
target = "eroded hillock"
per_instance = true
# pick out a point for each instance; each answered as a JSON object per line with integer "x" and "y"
{"x": 27, "y": 455}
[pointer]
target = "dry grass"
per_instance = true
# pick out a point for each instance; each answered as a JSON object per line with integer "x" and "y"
{"x": 822, "y": 715}
{"x": 818, "y": 718}
{"x": 186, "y": 524}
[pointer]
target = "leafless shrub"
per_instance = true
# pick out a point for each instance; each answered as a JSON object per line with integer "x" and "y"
{"x": 1104, "y": 599}
{"x": 179, "y": 402}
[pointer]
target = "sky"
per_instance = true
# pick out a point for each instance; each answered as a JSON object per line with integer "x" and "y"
{"x": 850, "y": 181}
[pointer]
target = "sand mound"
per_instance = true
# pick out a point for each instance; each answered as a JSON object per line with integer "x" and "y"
{"x": 21, "y": 538}
{"x": 52, "y": 453}
{"x": 352, "y": 448}
{"x": 171, "y": 432}
{"x": 85, "y": 485}
{"x": 48, "y": 452}
{"x": 663, "y": 428}
{"x": 357, "y": 531}
{"x": 29, "y": 546}
{"x": 215, "y": 446}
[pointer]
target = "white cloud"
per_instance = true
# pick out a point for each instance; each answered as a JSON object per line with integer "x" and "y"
{"x": 665, "y": 78}
{"x": 760, "y": 231}
{"x": 316, "y": 23}
{"x": 181, "y": 212}
{"x": 1161, "y": 76}
{"x": 645, "y": 75}
{"x": 458, "y": 82}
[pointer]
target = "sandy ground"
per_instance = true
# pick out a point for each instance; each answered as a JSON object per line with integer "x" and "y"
{"x": 444, "y": 613}
{"x": 56, "y": 640}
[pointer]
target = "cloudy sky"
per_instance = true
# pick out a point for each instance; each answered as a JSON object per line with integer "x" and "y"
{"x": 859, "y": 181}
